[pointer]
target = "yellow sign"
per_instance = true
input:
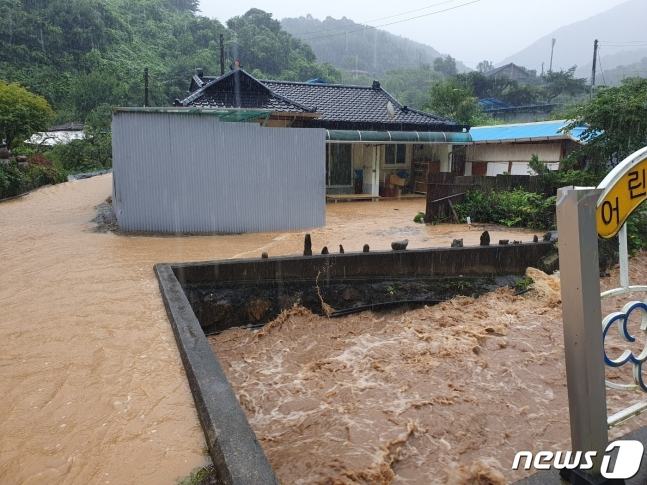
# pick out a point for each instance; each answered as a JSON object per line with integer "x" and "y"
{"x": 621, "y": 199}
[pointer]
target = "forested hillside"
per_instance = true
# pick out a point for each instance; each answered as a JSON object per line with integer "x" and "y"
{"x": 83, "y": 54}
{"x": 352, "y": 46}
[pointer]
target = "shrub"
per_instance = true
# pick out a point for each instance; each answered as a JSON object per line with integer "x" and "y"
{"x": 514, "y": 208}
{"x": 80, "y": 156}
{"x": 12, "y": 181}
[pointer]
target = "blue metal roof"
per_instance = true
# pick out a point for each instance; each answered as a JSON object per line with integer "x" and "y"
{"x": 493, "y": 103}
{"x": 541, "y": 131}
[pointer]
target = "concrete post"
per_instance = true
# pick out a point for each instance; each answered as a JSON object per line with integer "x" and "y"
{"x": 582, "y": 315}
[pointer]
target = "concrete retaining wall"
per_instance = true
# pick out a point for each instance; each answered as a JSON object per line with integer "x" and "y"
{"x": 233, "y": 446}
{"x": 427, "y": 263}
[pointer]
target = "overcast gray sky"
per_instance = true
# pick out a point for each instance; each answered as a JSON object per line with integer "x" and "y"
{"x": 481, "y": 29}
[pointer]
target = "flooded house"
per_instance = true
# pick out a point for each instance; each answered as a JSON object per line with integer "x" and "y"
{"x": 370, "y": 136}
{"x": 508, "y": 149}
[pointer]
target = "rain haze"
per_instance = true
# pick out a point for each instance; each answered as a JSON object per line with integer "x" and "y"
{"x": 470, "y": 32}
{"x": 302, "y": 250}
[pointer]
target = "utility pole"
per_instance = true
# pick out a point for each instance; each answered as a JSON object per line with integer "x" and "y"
{"x": 146, "y": 87}
{"x": 222, "y": 55}
{"x": 542, "y": 69}
{"x": 595, "y": 57}
{"x": 552, "y": 48}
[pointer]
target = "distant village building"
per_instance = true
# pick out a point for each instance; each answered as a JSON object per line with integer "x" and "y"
{"x": 511, "y": 71}
{"x": 58, "y": 135}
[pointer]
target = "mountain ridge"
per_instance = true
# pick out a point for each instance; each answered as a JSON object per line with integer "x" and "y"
{"x": 348, "y": 45}
{"x": 574, "y": 42}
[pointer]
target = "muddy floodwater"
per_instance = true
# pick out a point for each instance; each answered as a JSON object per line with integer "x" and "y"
{"x": 445, "y": 395}
{"x": 93, "y": 390}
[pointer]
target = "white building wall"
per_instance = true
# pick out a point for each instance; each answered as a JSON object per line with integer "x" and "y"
{"x": 513, "y": 152}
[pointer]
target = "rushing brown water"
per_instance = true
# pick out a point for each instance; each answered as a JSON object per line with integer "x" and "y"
{"x": 93, "y": 390}
{"x": 445, "y": 395}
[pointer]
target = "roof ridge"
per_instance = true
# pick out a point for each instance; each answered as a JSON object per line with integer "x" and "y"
{"x": 401, "y": 106}
{"x": 329, "y": 85}
{"x": 202, "y": 90}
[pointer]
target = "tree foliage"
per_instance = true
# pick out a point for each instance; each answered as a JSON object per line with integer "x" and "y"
{"x": 21, "y": 113}
{"x": 563, "y": 82}
{"x": 411, "y": 86}
{"x": 616, "y": 120}
{"x": 446, "y": 65}
{"x": 503, "y": 88}
{"x": 450, "y": 99}
{"x": 82, "y": 54}
{"x": 484, "y": 66}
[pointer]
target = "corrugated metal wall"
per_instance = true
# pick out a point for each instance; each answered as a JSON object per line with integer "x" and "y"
{"x": 177, "y": 172}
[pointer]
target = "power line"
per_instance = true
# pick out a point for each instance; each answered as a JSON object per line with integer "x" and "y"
{"x": 601, "y": 69}
{"x": 623, "y": 41}
{"x": 392, "y": 23}
{"x": 638, "y": 43}
{"x": 382, "y": 18}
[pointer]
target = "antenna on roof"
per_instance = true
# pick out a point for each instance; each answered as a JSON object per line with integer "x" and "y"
{"x": 390, "y": 109}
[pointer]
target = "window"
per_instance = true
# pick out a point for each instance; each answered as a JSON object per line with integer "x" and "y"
{"x": 395, "y": 154}
{"x": 338, "y": 165}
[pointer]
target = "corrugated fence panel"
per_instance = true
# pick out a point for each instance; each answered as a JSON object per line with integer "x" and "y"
{"x": 177, "y": 172}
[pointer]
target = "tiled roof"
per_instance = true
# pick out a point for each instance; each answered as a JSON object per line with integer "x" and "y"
{"x": 237, "y": 89}
{"x": 350, "y": 103}
{"x": 509, "y": 70}
{"x": 244, "y": 100}
{"x": 340, "y": 106}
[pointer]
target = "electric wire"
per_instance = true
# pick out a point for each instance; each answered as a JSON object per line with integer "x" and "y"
{"x": 381, "y": 18}
{"x": 392, "y": 23}
{"x": 601, "y": 70}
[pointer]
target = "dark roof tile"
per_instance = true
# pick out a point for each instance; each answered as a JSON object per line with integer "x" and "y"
{"x": 339, "y": 105}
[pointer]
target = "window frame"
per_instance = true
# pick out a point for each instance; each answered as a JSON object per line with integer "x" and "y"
{"x": 386, "y": 165}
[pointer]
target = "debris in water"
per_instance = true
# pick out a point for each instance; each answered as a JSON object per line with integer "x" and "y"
{"x": 324, "y": 250}
{"x": 457, "y": 243}
{"x": 366, "y": 248}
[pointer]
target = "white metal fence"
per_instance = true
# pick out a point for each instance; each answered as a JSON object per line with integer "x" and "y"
{"x": 191, "y": 173}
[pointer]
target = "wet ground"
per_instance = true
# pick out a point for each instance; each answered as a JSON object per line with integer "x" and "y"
{"x": 93, "y": 390}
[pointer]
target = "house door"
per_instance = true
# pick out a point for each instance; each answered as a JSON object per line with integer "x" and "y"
{"x": 372, "y": 175}
{"x": 458, "y": 161}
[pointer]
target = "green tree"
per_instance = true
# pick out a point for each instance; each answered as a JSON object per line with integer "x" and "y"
{"x": 616, "y": 120}
{"x": 411, "y": 86}
{"x": 484, "y": 66}
{"x": 563, "y": 82}
{"x": 450, "y": 99}
{"x": 446, "y": 65}
{"x": 22, "y": 113}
